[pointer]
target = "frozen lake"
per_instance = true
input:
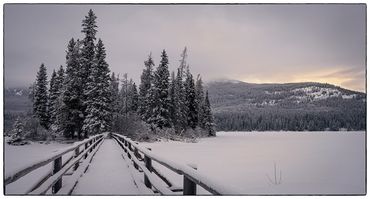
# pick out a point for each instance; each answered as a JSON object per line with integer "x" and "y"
{"x": 305, "y": 162}
{"x": 247, "y": 162}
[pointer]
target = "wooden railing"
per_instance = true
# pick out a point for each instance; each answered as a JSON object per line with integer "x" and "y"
{"x": 54, "y": 178}
{"x": 142, "y": 160}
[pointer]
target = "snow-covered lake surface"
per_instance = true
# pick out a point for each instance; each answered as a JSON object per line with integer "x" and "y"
{"x": 308, "y": 162}
{"x": 305, "y": 162}
{"x": 16, "y": 157}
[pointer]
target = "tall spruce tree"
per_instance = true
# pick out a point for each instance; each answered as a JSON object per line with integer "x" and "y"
{"x": 144, "y": 88}
{"x": 172, "y": 97}
{"x": 129, "y": 96}
{"x": 134, "y": 97}
{"x": 88, "y": 49}
{"x": 60, "y": 79}
{"x": 208, "y": 117}
{"x": 192, "y": 112}
{"x": 114, "y": 87}
{"x": 199, "y": 98}
{"x": 89, "y": 28}
{"x": 40, "y": 103}
{"x": 183, "y": 64}
{"x": 180, "y": 103}
{"x": 161, "y": 114}
{"x": 55, "y": 90}
{"x": 53, "y": 96}
{"x": 70, "y": 112}
{"x": 123, "y": 95}
{"x": 98, "y": 118}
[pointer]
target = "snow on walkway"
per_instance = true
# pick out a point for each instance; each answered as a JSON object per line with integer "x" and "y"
{"x": 108, "y": 173}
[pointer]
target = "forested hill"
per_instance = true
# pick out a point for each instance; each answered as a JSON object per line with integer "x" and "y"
{"x": 293, "y": 106}
{"x": 243, "y": 106}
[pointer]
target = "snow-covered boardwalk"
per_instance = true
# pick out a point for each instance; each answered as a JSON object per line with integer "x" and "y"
{"x": 108, "y": 173}
{"x": 100, "y": 165}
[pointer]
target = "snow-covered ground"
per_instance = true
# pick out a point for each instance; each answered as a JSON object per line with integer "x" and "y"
{"x": 247, "y": 162}
{"x": 308, "y": 162}
{"x": 16, "y": 157}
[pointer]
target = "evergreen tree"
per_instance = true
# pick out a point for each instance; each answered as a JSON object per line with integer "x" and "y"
{"x": 60, "y": 80}
{"x": 134, "y": 98}
{"x": 199, "y": 98}
{"x": 70, "y": 111}
{"x": 55, "y": 90}
{"x": 192, "y": 107}
{"x": 87, "y": 54}
{"x": 88, "y": 49}
{"x": 183, "y": 63}
{"x": 129, "y": 96}
{"x": 161, "y": 116}
{"x": 17, "y": 128}
{"x": 53, "y": 96}
{"x": 144, "y": 88}
{"x": 40, "y": 104}
{"x": 114, "y": 89}
{"x": 181, "y": 105}
{"x": 172, "y": 104}
{"x": 17, "y": 134}
{"x": 208, "y": 117}
{"x": 123, "y": 95}
{"x": 98, "y": 118}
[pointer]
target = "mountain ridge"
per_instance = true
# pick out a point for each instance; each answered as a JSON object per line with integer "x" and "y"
{"x": 237, "y": 104}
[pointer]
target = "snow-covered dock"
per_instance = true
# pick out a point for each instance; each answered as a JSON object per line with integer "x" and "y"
{"x": 108, "y": 173}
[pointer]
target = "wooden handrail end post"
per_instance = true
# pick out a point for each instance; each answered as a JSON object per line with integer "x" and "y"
{"x": 148, "y": 165}
{"x": 190, "y": 187}
{"x": 56, "y": 167}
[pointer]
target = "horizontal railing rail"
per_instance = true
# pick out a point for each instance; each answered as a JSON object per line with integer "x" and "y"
{"x": 191, "y": 177}
{"x": 54, "y": 178}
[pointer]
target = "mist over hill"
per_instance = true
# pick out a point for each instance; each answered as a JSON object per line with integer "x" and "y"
{"x": 292, "y": 106}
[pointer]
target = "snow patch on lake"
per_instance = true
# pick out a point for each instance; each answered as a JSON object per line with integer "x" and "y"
{"x": 309, "y": 162}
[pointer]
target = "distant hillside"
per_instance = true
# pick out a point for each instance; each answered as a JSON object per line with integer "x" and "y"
{"x": 16, "y": 100}
{"x": 293, "y": 106}
{"x": 244, "y": 106}
{"x": 16, "y": 103}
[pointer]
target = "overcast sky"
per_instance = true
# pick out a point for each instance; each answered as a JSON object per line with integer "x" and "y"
{"x": 251, "y": 43}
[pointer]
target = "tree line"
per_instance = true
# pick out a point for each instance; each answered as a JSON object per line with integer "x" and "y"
{"x": 291, "y": 120}
{"x": 85, "y": 98}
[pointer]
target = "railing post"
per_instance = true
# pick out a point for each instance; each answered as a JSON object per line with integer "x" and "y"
{"x": 86, "y": 146}
{"x": 129, "y": 146}
{"x": 124, "y": 144}
{"x": 135, "y": 154}
{"x": 190, "y": 188}
{"x": 56, "y": 167}
{"x": 148, "y": 165}
{"x": 90, "y": 145}
{"x": 77, "y": 152}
